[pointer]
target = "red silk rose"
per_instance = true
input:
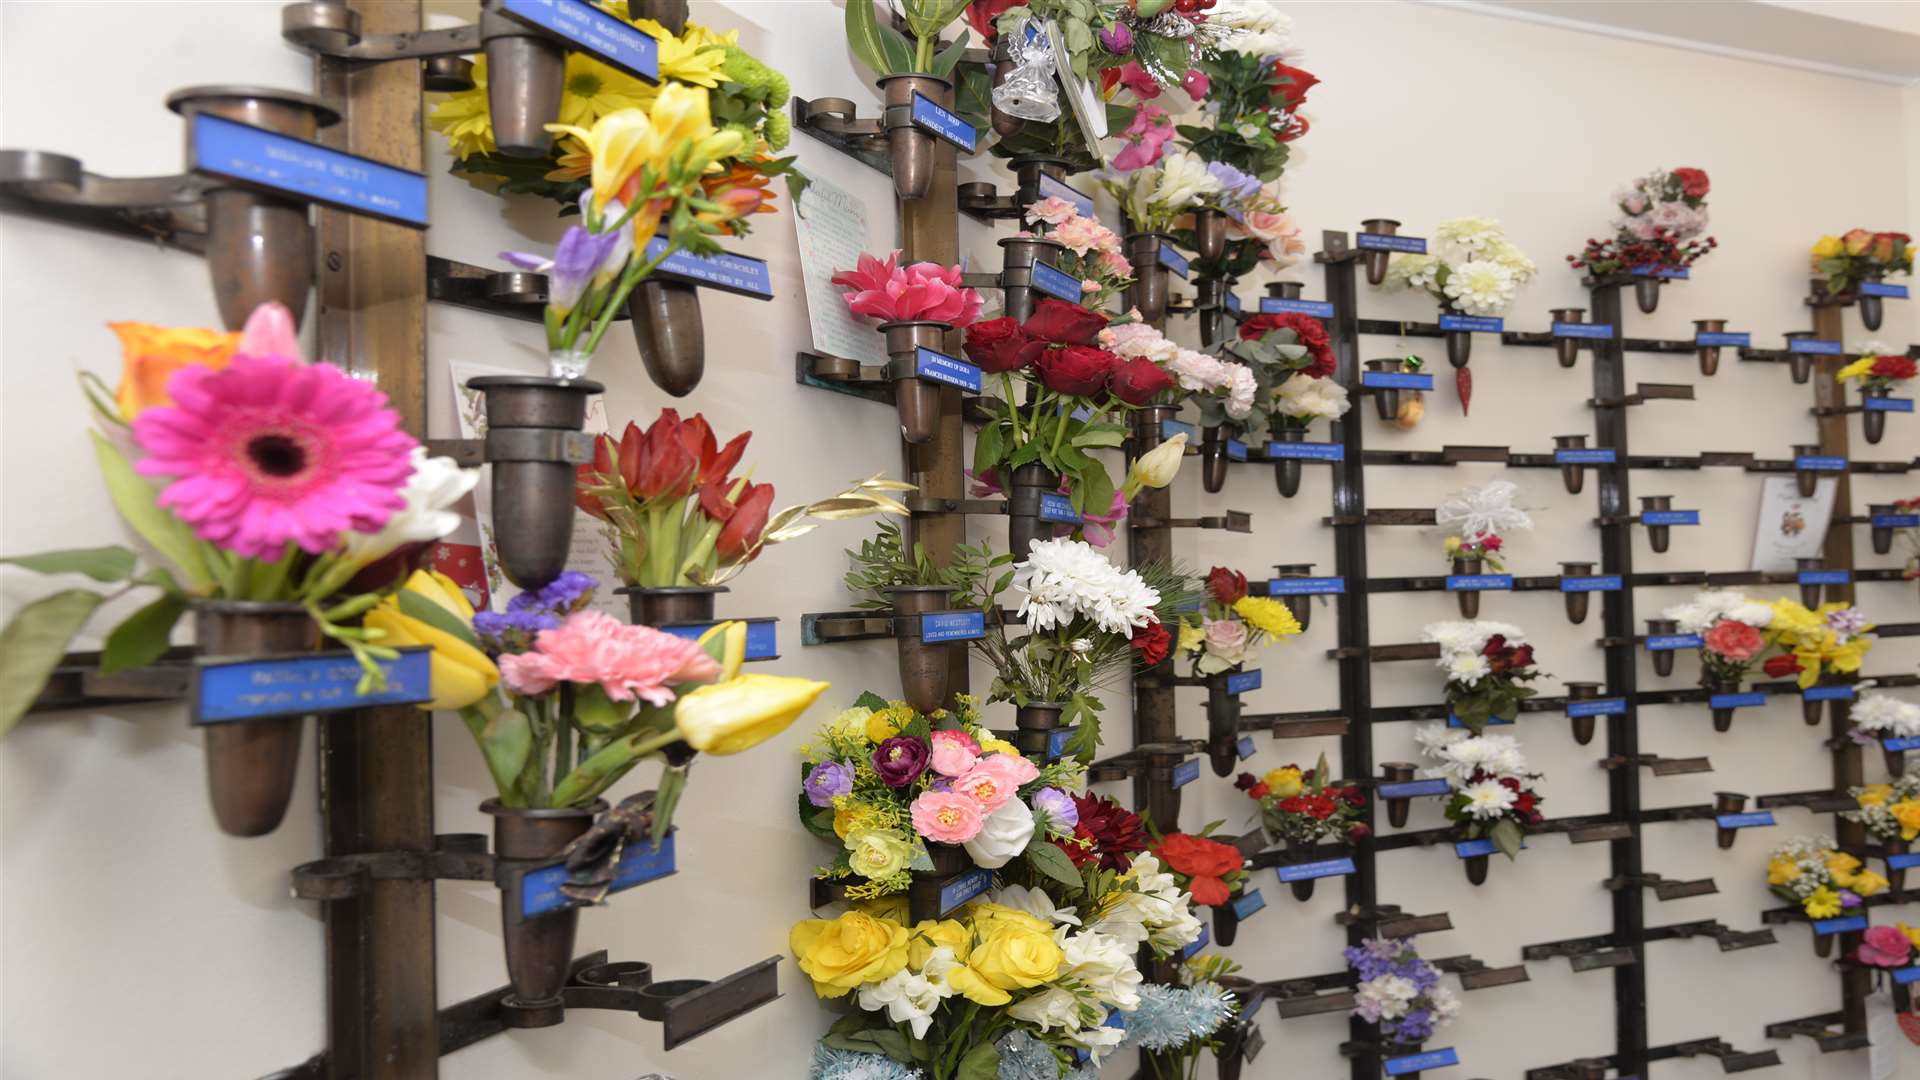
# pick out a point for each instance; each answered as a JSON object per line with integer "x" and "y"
{"x": 1077, "y": 370}
{"x": 1290, "y": 86}
{"x": 1000, "y": 345}
{"x": 1306, "y": 328}
{"x": 1226, "y": 586}
{"x": 1064, "y": 324}
{"x": 1781, "y": 666}
{"x": 1693, "y": 182}
{"x": 1139, "y": 381}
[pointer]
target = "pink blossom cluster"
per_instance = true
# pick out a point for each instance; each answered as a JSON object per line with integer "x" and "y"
{"x": 1081, "y": 235}
{"x": 973, "y": 786}
{"x": 594, "y": 648}
{"x": 890, "y": 292}
{"x": 1276, "y": 229}
{"x": 1147, "y": 136}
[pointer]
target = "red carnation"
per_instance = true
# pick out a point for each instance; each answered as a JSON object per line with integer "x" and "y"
{"x": 1693, "y": 182}
{"x": 1358, "y": 831}
{"x": 1259, "y": 791}
{"x": 1525, "y": 802}
{"x": 1077, "y": 370}
{"x": 1893, "y": 367}
{"x": 1226, "y": 586}
{"x": 1356, "y": 797}
{"x": 1000, "y": 345}
{"x": 1781, "y": 666}
{"x": 1063, "y": 323}
{"x": 1151, "y": 642}
{"x": 1139, "y": 381}
{"x": 1490, "y": 541}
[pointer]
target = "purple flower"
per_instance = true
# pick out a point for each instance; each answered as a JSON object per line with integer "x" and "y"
{"x": 511, "y": 631}
{"x": 1234, "y": 184}
{"x": 580, "y": 257}
{"x": 1117, "y": 39}
{"x": 1849, "y": 899}
{"x": 564, "y": 595}
{"x": 828, "y": 779}
{"x": 1062, "y": 815}
{"x": 899, "y": 761}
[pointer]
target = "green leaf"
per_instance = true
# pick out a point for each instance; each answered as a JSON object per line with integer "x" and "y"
{"x": 103, "y": 564}
{"x": 981, "y": 1063}
{"x": 893, "y": 1044}
{"x": 1048, "y": 859}
{"x": 1506, "y": 836}
{"x": 138, "y": 504}
{"x": 506, "y": 742}
{"x": 870, "y": 700}
{"x": 33, "y": 643}
{"x": 945, "y": 61}
{"x": 896, "y": 49}
{"x": 143, "y": 636}
{"x": 863, "y": 36}
{"x": 417, "y": 607}
{"x": 1103, "y": 435}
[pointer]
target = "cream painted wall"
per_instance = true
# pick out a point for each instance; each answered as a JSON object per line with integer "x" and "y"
{"x": 109, "y": 867}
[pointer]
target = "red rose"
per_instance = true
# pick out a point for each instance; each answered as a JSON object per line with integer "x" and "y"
{"x": 1693, "y": 182}
{"x": 1295, "y": 805}
{"x": 1319, "y": 807}
{"x": 981, "y": 13}
{"x": 1306, "y": 328}
{"x": 1494, "y": 645}
{"x": 1063, "y": 323}
{"x": 1259, "y": 791}
{"x": 1290, "y": 86}
{"x": 1491, "y": 541}
{"x": 1781, "y": 666}
{"x": 1245, "y": 781}
{"x": 1000, "y": 345}
{"x": 1139, "y": 381}
{"x": 1077, "y": 370}
{"x": 1151, "y": 642}
{"x": 1226, "y": 586}
{"x": 1893, "y": 367}
{"x": 1522, "y": 657}
{"x": 1355, "y": 797}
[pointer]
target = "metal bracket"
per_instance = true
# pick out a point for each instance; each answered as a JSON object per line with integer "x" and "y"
{"x": 834, "y": 121}
{"x": 455, "y": 857}
{"x": 1731, "y": 1060}
{"x": 1476, "y": 975}
{"x": 1389, "y": 921}
{"x": 1820, "y": 1030}
{"x": 685, "y": 1008}
{"x": 166, "y": 209}
{"x": 78, "y": 682}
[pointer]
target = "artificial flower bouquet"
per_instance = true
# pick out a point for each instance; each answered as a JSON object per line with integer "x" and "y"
{"x": 1399, "y": 991}
{"x": 1890, "y": 813}
{"x": 1475, "y": 518}
{"x": 1219, "y": 636}
{"x": 676, "y": 517}
{"x": 885, "y": 290}
{"x": 1152, "y": 196}
{"x": 1473, "y": 270}
{"x": 1292, "y": 363}
{"x": 1882, "y": 716}
{"x": 1092, "y": 252}
{"x": 891, "y": 788}
{"x": 1810, "y": 873}
{"x": 1831, "y": 639}
{"x": 1486, "y": 662}
{"x": 1846, "y": 261}
{"x": 1493, "y": 787}
{"x": 1878, "y": 374}
{"x": 1730, "y": 628}
{"x": 1662, "y": 217}
{"x": 1303, "y": 808}
{"x": 1261, "y": 232}
{"x": 1255, "y": 97}
{"x": 1909, "y": 536}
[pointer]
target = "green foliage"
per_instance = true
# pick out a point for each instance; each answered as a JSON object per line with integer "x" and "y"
{"x": 144, "y": 636}
{"x": 33, "y": 643}
{"x": 104, "y": 564}
{"x": 1047, "y": 858}
{"x": 882, "y": 564}
{"x": 883, "y": 49}
{"x": 1506, "y": 836}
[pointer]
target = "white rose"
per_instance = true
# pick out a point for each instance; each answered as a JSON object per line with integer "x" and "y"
{"x": 1004, "y": 834}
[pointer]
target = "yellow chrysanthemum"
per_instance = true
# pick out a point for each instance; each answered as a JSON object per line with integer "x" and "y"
{"x": 1874, "y": 794}
{"x": 1192, "y": 638}
{"x": 594, "y": 89}
{"x": 1779, "y": 871}
{"x": 1823, "y": 903}
{"x": 695, "y": 57}
{"x": 1270, "y": 617}
{"x": 463, "y": 117}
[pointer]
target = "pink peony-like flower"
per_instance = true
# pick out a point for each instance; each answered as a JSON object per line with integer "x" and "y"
{"x": 987, "y": 787}
{"x": 627, "y": 662}
{"x": 1278, "y": 231}
{"x": 270, "y": 450}
{"x": 886, "y": 291}
{"x": 954, "y": 753}
{"x": 1015, "y": 769}
{"x": 1734, "y": 640}
{"x": 1884, "y": 946}
{"x": 1053, "y": 210}
{"x": 946, "y": 817}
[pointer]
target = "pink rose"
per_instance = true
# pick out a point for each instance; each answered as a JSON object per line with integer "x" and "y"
{"x": 954, "y": 753}
{"x": 1883, "y": 946}
{"x": 1226, "y": 639}
{"x": 987, "y": 787}
{"x": 946, "y": 817}
{"x": 1734, "y": 640}
{"x": 1196, "y": 84}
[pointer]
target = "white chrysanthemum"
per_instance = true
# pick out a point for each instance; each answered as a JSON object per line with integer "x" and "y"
{"x": 1511, "y": 257}
{"x": 1753, "y": 613}
{"x": 1306, "y": 397}
{"x": 1469, "y": 236}
{"x": 1433, "y": 737}
{"x": 1445, "y": 1004}
{"x": 1410, "y": 271}
{"x": 1468, "y": 669}
{"x": 1873, "y": 347}
{"x": 1480, "y": 287}
{"x": 1455, "y": 636}
{"x": 1479, "y": 511}
{"x": 1487, "y": 799}
{"x": 1258, "y": 29}
{"x": 1889, "y": 716}
{"x": 1063, "y": 579}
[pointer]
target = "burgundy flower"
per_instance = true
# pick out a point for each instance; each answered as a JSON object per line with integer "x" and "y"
{"x": 1245, "y": 781}
{"x": 1139, "y": 381}
{"x": 1000, "y": 345}
{"x": 1077, "y": 370}
{"x": 1306, "y": 328}
{"x": 1115, "y": 833}
{"x": 1226, "y": 586}
{"x": 1693, "y": 182}
{"x": 899, "y": 761}
{"x": 1063, "y": 323}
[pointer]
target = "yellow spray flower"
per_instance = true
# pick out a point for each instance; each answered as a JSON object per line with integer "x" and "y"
{"x": 1874, "y": 794}
{"x": 1451, "y": 544}
{"x": 695, "y": 57}
{"x": 594, "y": 89}
{"x": 1859, "y": 369}
{"x": 1192, "y": 638}
{"x": 620, "y": 143}
{"x": 1283, "y": 782}
{"x": 851, "y": 723}
{"x": 998, "y": 746}
{"x": 1907, "y": 813}
{"x": 886, "y": 723}
{"x": 1270, "y": 617}
{"x": 1781, "y": 871}
{"x": 1823, "y": 903}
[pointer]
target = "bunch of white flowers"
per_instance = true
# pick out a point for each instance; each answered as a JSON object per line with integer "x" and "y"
{"x": 1410, "y": 271}
{"x": 1257, "y": 29}
{"x": 1887, "y": 717}
{"x": 1463, "y": 646}
{"x": 1458, "y": 755}
{"x": 1307, "y": 397}
{"x": 1474, "y": 269}
{"x": 1708, "y": 606}
{"x": 1486, "y": 510}
{"x": 1062, "y": 580}
{"x": 1153, "y": 197}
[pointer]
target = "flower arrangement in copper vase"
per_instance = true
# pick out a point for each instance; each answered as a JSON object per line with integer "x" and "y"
{"x": 1812, "y": 874}
{"x": 1219, "y": 636}
{"x": 1486, "y": 662}
{"x": 1662, "y": 217}
{"x": 1731, "y": 633}
{"x": 1092, "y": 250}
{"x": 1859, "y": 255}
{"x": 1493, "y": 786}
{"x": 1306, "y": 807}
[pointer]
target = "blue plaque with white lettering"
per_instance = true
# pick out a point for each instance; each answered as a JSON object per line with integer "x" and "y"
{"x": 1236, "y": 450}
{"x": 1280, "y": 305}
{"x": 1057, "y": 508}
{"x": 952, "y": 626}
{"x": 639, "y": 863}
{"x": 763, "y": 640}
{"x": 1311, "y": 451}
{"x": 1907, "y": 974}
{"x": 1242, "y": 681}
{"x": 1172, "y": 259}
{"x": 1887, "y": 404}
{"x": 1244, "y": 749}
{"x": 1305, "y": 586}
{"x": 1467, "y": 849}
{"x": 1413, "y": 789}
{"x": 1903, "y": 862}
{"x": 1842, "y": 925}
{"x": 1412, "y": 245}
{"x": 1671, "y": 273}
{"x": 1201, "y": 942}
{"x": 1820, "y": 463}
{"x": 1598, "y": 707}
{"x": 1736, "y": 701}
{"x": 1233, "y": 302}
{"x": 740, "y": 274}
{"x": 1170, "y": 428}
{"x": 1186, "y": 772}
{"x": 1455, "y": 722}
{"x": 941, "y": 368}
{"x": 1432, "y": 1059}
{"x": 1827, "y": 693}
{"x": 594, "y": 31}
{"x": 1670, "y": 517}
{"x": 1309, "y": 871}
{"x": 1713, "y": 337}
{"x": 250, "y": 155}
{"x": 1825, "y": 577}
{"x": 1663, "y": 642}
{"x": 1814, "y": 346}
{"x": 1057, "y": 741}
{"x": 266, "y": 687}
{"x": 1744, "y": 821}
{"x": 964, "y": 888}
{"x": 1881, "y": 288}
{"x": 1478, "y": 324}
{"x": 1052, "y": 188}
{"x": 1599, "y": 583}
{"x": 1247, "y": 903}
{"x": 1478, "y": 582}
{"x": 1056, "y": 282}
{"x": 930, "y": 117}
{"x": 1582, "y": 330}
{"x": 1906, "y": 742}
{"x": 1396, "y": 380}
{"x": 1895, "y": 521}
{"x": 1599, "y": 455}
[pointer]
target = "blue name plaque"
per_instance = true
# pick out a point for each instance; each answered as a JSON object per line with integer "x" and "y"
{"x": 1236, "y": 450}
{"x": 964, "y": 888}
{"x": 1233, "y": 302}
{"x": 1455, "y": 722}
{"x": 1843, "y": 924}
{"x": 742, "y": 274}
{"x": 1670, "y": 517}
{"x": 1907, "y": 974}
{"x": 1895, "y": 521}
{"x": 1247, "y": 903}
{"x": 1305, "y": 586}
{"x": 256, "y": 689}
{"x": 1825, "y": 577}
{"x": 1201, "y": 942}
{"x": 1598, "y": 707}
{"x": 1714, "y": 337}
{"x": 639, "y": 863}
{"x": 1736, "y": 701}
{"x": 1397, "y": 380}
{"x": 1413, "y": 789}
{"x": 1601, "y": 583}
{"x": 1056, "y": 282}
{"x": 1173, "y": 260}
{"x": 1432, "y": 1059}
{"x": 1244, "y": 749}
{"x": 251, "y": 155}
{"x": 1311, "y": 870}
{"x": 1820, "y": 463}
{"x": 1186, "y": 772}
{"x": 1479, "y": 324}
{"x": 1881, "y": 288}
{"x": 1582, "y": 330}
{"x": 1887, "y": 404}
{"x": 1367, "y": 241}
{"x": 1057, "y": 508}
{"x": 1477, "y": 582}
{"x": 1903, "y": 862}
{"x": 1057, "y": 741}
{"x": 1280, "y": 305}
{"x": 1672, "y": 273}
{"x": 626, "y": 47}
{"x": 1311, "y": 451}
{"x": 1599, "y": 455}
{"x": 1814, "y": 346}
{"x": 763, "y": 640}
{"x": 1744, "y": 821}
{"x": 1170, "y": 428}
{"x": 1467, "y": 849}
{"x": 1243, "y": 681}
{"x": 930, "y": 117}
{"x": 941, "y": 368}
{"x": 1903, "y": 742}
{"x": 952, "y": 626}
{"x": 1051, "y": 188}
{"x": 1663, "y": 642}
{"x": 1827, "y": 693}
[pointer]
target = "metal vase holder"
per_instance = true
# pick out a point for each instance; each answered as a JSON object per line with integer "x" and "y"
{"x": 533, "y": 442}
{"x": 1658, "y": 536}
{"x": 1459, "y": 343}
{"x": 1873, "y": 422}
{"x": 1301, "y": 607}
{"x": 1024, "y": 525}
{"x": 1722, "y": 717}
{"x": 1573, "y": 476}
{"x": 1287, "y": 470}
{"x": 1035, "y": 724}
{"x": 1800, "y": 364}
{"x": 526, "y": 80}
{"x": 1583, "y": 725}
{"x": 670, "y": 334}
{"x": 1646, "y": 292}
{"x": 1806, "y": 481}
{"x": 1149, "y": 289}
{"x": 1477, "y": 867}
{"x": 1209, "y": 233}
{"x": 1018, "y": 254}
{"x": 1809, "y": 594}
{"x": 539, "y": 949}
{"x": 1882, "y": 535}
{"x": 1386, "y": 401}
{"x": 1210, "y": 300}
{"x": 1469, "y": 599}
{"x": 1662, "y": 658}
{"x": 1727, "y": 802}
{"x": 1577, "y": 603}
{"x": 1223, "y": 724}
{"x": 925, "y": 670}
{"x": 1376, "y": 261}
{"x": 1567, "y": 349}
{"x": 676, "y": 605}
{"x": 1397, "y": 772}
{"x": 1301, "y": 851}
{"x": 1709, "y": 354}
{"x": 915, "y": 399}
{"x": 910, "y": 149}
{"x": 251, "y": 764}
{"x": 1213, "y": 457}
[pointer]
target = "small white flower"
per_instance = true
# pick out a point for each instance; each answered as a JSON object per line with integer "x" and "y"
{"x": 1487, "y": 799}
{"x": 1480, "y": 287}
{"x": 1889, "y": 716}
{"x": 1468, "y": 669}
{"x": 1481, "y": 511}
{"x": 1080, "y": 646}
{"x": 435, "y": 486}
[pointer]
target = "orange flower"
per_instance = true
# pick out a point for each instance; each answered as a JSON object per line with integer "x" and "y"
{"x": 741, "y": 190}
{"x": 151, "y": 354}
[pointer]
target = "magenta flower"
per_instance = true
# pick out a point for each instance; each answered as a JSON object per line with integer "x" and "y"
{"x": 1147, "y": 135}
{"x": 1097, "y": 528}
{"x": 1883, "y": 946}
{"x": 899, "y": 761}
{"x": 891, "y": 293}
{"x": 1135, "y": 78}
{"x": 1196, "y": 84}
{"x": 1117, "y": 39}
{"x": 627, "y": 662}
{"x": 270, "y": 450}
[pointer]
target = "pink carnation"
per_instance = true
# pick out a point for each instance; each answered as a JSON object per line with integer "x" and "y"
{"x": 954, "y": 752}
{"x": 627, "y": 662}
{"x": 1053, "y": 210}
{"x": 1147, "y": 136}
{"x": 946, "y": 817}
{"x": 1082, "y": 235}
{"x": 1734, "y": 640}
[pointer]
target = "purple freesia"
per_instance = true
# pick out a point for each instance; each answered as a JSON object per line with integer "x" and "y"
{"x": 511, "y": 631}
{"x": 1234, "y": 184}
{"x": 1062, "y": 815}
{"x": 581, "y": 257}
{"x": 828, "y": 779}
{"x": 564, "y": 595}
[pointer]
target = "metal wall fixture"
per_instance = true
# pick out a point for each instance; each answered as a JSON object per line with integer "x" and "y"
{"x": 916, "y": 399}
{"x": 1300, "y": 605}
{"x": 1800, "y": 363}
{"x": 1567, "y": 349}
{"x": 1582, "y": 722}
{"x": 1646, "y": 292}
{"x": 1210, "y": 301}
{"x": 1215, "y": 440}
{"x": 251, "y": 764}
{"x": 1709, "y": 355}
{"x": 1149, "y": 289}
{"x": 980, "y": 199}
{"x": 1805, "y": 480}
{"x": 1726, "y": 803}
{"x": 925, "y": 667}
{"x": 1882, "y": 535}
{"x": 1577, "y": 600}
{"x": 1572, "y": 474}
{"x": 1819, "y": 296}
{"x": 534, "y": 439}
{"x": 1209, "y": 232}
{"x": 1662, "y": 658}
{"x": 1386, "y": 400}
{"x": 1018, "y": 256}
{"x": 1377, "y": 260}
{"x": 1658, "y": 536}
{"x": 895, "y": 142}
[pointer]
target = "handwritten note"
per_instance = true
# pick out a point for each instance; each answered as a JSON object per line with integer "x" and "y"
{"x": 831, "y": 228}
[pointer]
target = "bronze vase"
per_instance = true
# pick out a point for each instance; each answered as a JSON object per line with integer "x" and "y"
{"x": 251, "y": 764}
{"x": 910, "y": 149}
{"x": 1149, "y": 289}
{"x": 1468, "y": 599}
{"x": 1477, "y": 867}
{"x": 678, "y": 605}
{"x": 1213, "y": 457}
{"x": 1577, "y": 603}
{"x": 1646, "y": 293}
{"x": 925, "y": 670}
{"x": 540, "y": 948}
{"x": 669, "y": 333}
{"x": 1709, "y": 355}
{"x": 1035, "y": 723}
{"x": 1582, "y": 725}
{"x": 1286, "y": 470}
{"x": 1023, "y": 508}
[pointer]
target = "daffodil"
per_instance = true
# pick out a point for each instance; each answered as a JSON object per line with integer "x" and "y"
{"x": 431, "y": 610}
{"x": 1822, "y": 903}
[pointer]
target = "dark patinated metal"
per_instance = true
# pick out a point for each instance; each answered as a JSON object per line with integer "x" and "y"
{"x": 670, "y": 334}
{"x": 251, "y": 764}
{"x": 539, "y": 949}
{"x": 529, "y": 419}
{"x": 1149, "y": 289}
{"x": 677, "y": 605}
{"x": 1377, "y": 260}
{"x": 924, "y": 669}
{"x": 526, "y": 79}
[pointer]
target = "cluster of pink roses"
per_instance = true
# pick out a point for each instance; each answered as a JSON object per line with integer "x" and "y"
{"x": 594, "y": 648}
{"x": 1273, "y": 227}
{"x": 1080, "y": 235}
{"x": 890, "y": 292}
{"x": 974, "y": 785}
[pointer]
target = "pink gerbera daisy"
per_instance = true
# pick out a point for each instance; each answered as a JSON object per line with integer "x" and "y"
{"x": 269, "y": 450}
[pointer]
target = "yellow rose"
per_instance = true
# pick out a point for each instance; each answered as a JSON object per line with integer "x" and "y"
{"x": 935, "y": 934}
{"x": 877, "y": 853}
{"x": 998, "y": 746}
{"x": 1781, "y": 871}
{"x": 851, "y": 723}
{"x": 1827, "y": 247}
{"x": 1856, "y": 241}
{"x": 1824, "y": 903}
{"x": 843, "y": 954}
{"x": 989, "y": 918}
{"x": 1283, "y": 783}
{"x": 1451, "y": 544}
{"x": 742, "y": 712}
{"x": 1907, "y": 813}
{"x": 1014, "y": 958}
{"x": 890, "y": 908}
{"x": 1866, "y": 883}
{"x": 1874, "y": 794}
{"x": 1841, "y": 866}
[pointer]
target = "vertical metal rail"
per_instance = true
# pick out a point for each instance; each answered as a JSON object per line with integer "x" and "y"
{"x": 1623, "y": 729}
{"x": 376, "y": 765}
{"x": 1154, "y": 717}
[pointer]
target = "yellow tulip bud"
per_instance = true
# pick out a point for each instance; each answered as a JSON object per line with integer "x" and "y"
{"x": 462, "y": 674}
{"x": 742, "y": 712}
{"x": 1158, "y": 466}
{"x": 733, "y": 650}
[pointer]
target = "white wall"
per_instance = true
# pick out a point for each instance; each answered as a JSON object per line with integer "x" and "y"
{"x": 109, "y": 866}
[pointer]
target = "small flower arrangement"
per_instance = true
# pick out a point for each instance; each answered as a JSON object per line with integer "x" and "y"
{"x": 1222, "y": 389}
{"x": 1255, "y": 97}
{"x": 1477, "y": 516}
{"x": 1153, "y": 196}
{"x": 883, "y": 564}
{"x": 1888, "y": 946}
{"x": 883, "y": 289}
{"x": 1219, "y": 636}
{"x": 1305, "y": 808}
{"x": 1399, "y": 991}
{"x": 1730, "y": 627}
{"x": 1889, "y": 812}
{"x": 1830, "y": 639}
{"x": 1883, "y": 716}
{"x": 1859, "y": 255}
{"x": 1486, "y": 662}
{"x": 675, "y": 516}
{"x": 1207, "y": 869}
{"x": 1661, "y": 218}
{"x": 1809, "y": 872}
{"x": 1878, "y": 374}
{"x": 1093, "y": 250}
{"x": 1474, "y": 269}
{"x": 1292, "y": 362}
{"x": 1493, "y": 794}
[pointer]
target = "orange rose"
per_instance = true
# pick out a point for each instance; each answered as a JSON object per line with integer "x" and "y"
{"x": 1206, "y": 862}
{"x": 151, "y": 354}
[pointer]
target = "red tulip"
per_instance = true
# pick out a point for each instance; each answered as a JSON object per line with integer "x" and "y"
{"x": 663, "y": 467}
{"x": 1226, "y": 586}
{"x": 739, "y": 539}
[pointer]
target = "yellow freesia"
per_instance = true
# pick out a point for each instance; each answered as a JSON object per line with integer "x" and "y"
{"x": 1792, "y": 619}
{"x": 1874, "y": 794}
{"x": 1270, "y": 617}
{"x": 742, "y": 712}
{"x": 461, "y": 673}
{"x": 1781, "y": 871}
{"x": 1907, "y": 813}
{"x": 1822, "y": 903}
{"x": 620, "y": 143}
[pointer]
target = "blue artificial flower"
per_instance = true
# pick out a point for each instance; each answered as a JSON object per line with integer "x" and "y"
{"x": 831, "y": 1064}
{"x": 1023, "y": 1057}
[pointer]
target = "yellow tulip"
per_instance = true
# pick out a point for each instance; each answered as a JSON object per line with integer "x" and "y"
{"x": 1859, "y": 369}
{"x": 462, "y": 674}
{"x": 620, "y": 143}
{"x": 734, "y": 650}
{"x": 1867, "y": 883}
{"x": 742, "y": 712}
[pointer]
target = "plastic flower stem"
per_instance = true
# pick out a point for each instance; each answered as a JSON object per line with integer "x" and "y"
{"x": 1013, "y": 410}
{"x": 563, "y": 733}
